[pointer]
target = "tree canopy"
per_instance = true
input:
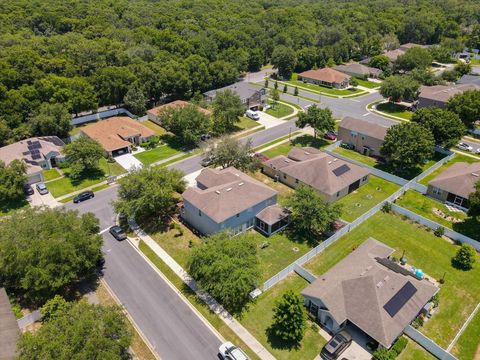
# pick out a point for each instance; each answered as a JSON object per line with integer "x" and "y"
{"x": 399, "y": 87}
{"x": 319, "y": 119}
{"x": 465, "y": 257}
{"x": 474, "y": 200}
{"x": 45, "y": 251}
{"x": 12, "y": 178}
{"x": 289, "y": 318}
{"x": 467, "y": 106}
{"x": 227, "y": 109}
{"x": 229, "y": 151}
{"x": 414, "y": 58}
{"x": 79, "y": 331}
{"x": 227, "y": 268}
{"x": 407, "y": 146}
{"x": 51, "y": 119}
{"x": 446, "y": 127}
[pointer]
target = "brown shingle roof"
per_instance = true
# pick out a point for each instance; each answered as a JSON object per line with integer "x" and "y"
{"x": 444, "y": 92}
{"x": 394, "y": 54}
{"x": 9, "y": 331}
{"x": 359, "y": 287}
{"x": 328, "y": 75}
{"x": 364, "y": 127}
{"x": 20, "y": 151}
{"x": 273, "y": 214}
{"x": 110, "y": 133}
{"x": 460, "y": 179}
{"x": 358, "y": 69}
{"x": 176, "y": 104}
{"x": 228, "y": 198}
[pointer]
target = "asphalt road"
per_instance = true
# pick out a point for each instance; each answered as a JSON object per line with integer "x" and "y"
{"x": 172, "y": 328}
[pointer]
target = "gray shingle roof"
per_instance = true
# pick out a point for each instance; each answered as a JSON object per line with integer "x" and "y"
{"x": 243, "y": 89}
{"x": 469, "y": 79}
{"x": 364, "y": 127}
{"x": 444, "y": 92}
{"x": 460, "y": 179}
{"x": 273, "y": 214}
{"x": 9, "y": 331}
{"x": 359, "y": 287}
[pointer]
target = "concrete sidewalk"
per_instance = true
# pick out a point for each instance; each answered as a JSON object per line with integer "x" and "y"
{"x": 226, "y": 317}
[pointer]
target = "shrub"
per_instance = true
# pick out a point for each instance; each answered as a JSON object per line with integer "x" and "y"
{"x": 383, "y": 354}
{"x": 418, "y": 322}
{"x": 399, "y": 345}
{"x": 439, "y": 231}
{"x": 465, "y": 257}
{"x": 386, "y": 207}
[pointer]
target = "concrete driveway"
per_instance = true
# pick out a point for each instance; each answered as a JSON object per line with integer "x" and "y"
{"x": 41, "y": 200}
{"x": 267, "y": 120}
{"x": 128, "y": 162}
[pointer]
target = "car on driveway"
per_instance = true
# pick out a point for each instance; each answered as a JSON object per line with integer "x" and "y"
{"x": 42, "y": 188}
{"x": 336, "y": 346}
{"x": 83, "y": 196}
{"x": 252, "y": 115}
{"x": 228, "y": 351}
{"x": 27, "y": 189}
{"x": 330, "y": 135}
{"x": 464, "y": 146}
{"x": 117, "y": 232}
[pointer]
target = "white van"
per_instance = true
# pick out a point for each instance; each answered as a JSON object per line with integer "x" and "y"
{"x": 252, "y": 115}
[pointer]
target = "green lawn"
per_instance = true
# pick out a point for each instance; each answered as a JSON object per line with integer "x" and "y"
{"x": 367, "y": 160}
{"x": 283, "y": 190}
{"x": 65, "y": 185}
{"x": 413, "y": 351}
{"x": 279, "y": 110}
{"x": 424, "y": 205}
{"x": 367, "y": 84}
{"x": 154, "y": 127}
{"x": 458, "y": 296}
{"x": 455, "y": 159}
{"x": 395, "y": 110}
{"x": 301, "y": 141}
{"x": 161, "y": 152}
{"x": 366, "y": 197}
{"x": 258, "y": 318}
{"x": 50, "y": 174}
{"x": 320, "y": 89}
{"x": 467, "y": 344}
{"x": 245, "y": 123}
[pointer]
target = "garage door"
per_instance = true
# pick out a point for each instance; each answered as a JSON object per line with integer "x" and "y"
{"x": 120, "y": 151}
{"x": 34, "y": 178}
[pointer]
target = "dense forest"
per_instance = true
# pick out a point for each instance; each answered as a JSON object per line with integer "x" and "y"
{"x": 82, "y": 54}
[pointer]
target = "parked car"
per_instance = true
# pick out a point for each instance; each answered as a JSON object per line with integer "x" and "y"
{"x": 27, "y": 189}
{"x": 347, "y": 146}
{"x": 261, "y": 157}
{"x": 477, "y": 151}
{"x": 117, "y": 232}
{"x": 330, "y": 135}
{"x": 83, "y": 196}
{"x": 41, "y": 188}
{"x": 252, "y": 115}
{"x": 228, "y": 351}
{"x": 336, "y": 346}
{"x": 205, "y": 137}
{"x": 206, "y": 161}
{"x": 464, "y": 146}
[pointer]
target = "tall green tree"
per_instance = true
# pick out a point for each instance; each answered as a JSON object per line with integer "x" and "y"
{"x": 414, "y": 58}
{"x": 399, "y": 87}
{"x": 135, "y": 101}
{"x": 188, "y": 123}
{"x": 289, "y": 318}
{"x": 80, "y": 331}
{"x": 51, "y": 119}
{"x": 446, "y": 127}
{"x": 46, "y": 251}
{"x": 311, "y": 215}
{"x": 150, "y": 194}
{"x": 227, "y": 109}
{"x": 465, "y": 257}
{"x": 380, "y": 62}
{"x": 112, "y": 84}
{"x": 467, "y": 106}
{"x": 12, "y": 178}
{"x": 284, "y": 60}
{"x": 319, "y": 119}
{"x": 407, "y": 146}
{"x": 226, "y": 268}
{"x": 474, "y": 200}
{"x": 5, "y": 132}
{"x": 84, "y": 155}
{"x": 229, "y": 151}
{"x": 275, "y": 97}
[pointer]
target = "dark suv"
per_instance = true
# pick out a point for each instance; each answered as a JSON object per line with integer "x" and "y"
{"x": 83, "y": 196}
{"x": 117, "y": 233}
{"x": 337, "y": 345}
{"x": 28, "y": 190}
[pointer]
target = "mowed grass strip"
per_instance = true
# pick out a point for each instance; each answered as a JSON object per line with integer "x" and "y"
{"x": 161, "y": 152}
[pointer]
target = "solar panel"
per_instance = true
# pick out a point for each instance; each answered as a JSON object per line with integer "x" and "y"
{"x": 393, "y": 306}
{"x": 341, "y": 170}
{"x": 36, "y": 156}
{"x": 34, "y": 151}
{"x": 29, "y": 142}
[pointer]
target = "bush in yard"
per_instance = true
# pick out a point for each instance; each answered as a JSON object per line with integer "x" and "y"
{"x": 383, "y": 354}
{"x": 465, "y": 257}
{"x": 289, "y": 318}
{"x": 54, "y": 307}
{"x": 226, "y": 268}
{"x": 439, "y": 231}
{"x": 386, "y": 207}
{"x": 353, "y": 82}
{"x": 399, "y": 345}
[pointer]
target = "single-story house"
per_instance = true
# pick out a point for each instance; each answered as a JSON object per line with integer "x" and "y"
{"x": 469, "y": 79}
{"x": 359, "y": 70}
{"x": 408, "y": 46}
{"x": 38, "y": 153}
{"x": 366, "y": 137}
{"x": 253, "y": 97}
{"x": 438, "y": 95}
{"x": 155, "y": 113}
{"x": 9, "y": 331}
{"x": 228, "y": 199}
{"x": 331, "y": 177}
{"x": 455, "y": 184}
{"x": 325, "y": 77}
{"x": 370, "y": 292}
{"x": 117, "y": 134}
{"x": 393, "y": 55}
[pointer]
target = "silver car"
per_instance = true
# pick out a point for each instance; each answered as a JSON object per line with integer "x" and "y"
{"x": 41, "y": 188}
{"x": 464, "y": 146}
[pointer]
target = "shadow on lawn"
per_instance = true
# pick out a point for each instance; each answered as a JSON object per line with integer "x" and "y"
{"x": 469, "y": 227}
{"x": 277, "y": 343}
{"x": 309, "y": 140}
{"x": 410, "y": 174}
{"x": 174, "y": 142}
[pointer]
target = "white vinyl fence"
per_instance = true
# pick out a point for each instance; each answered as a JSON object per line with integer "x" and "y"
{"x": 428, "y": 344}
{"x": 101, "y": 115}
{"x": 304, "y": 273}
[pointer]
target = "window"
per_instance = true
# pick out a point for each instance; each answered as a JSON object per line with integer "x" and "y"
{"x": 284, "y": 176}
{"x": 365, "y": 178}
{"x": 296, "y": 181}
{"x": 199, "y": 213}
{"x": 238, "y": 215}
{"x": 354, "y": 134}
{"x": 338, "y": 194}
{"x": 363, "y": 137}
{"x": 437, "y": 191}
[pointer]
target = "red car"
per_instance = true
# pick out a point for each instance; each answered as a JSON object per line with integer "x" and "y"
{"x": 261, "y": 157}
{"x": 330, "y": 136}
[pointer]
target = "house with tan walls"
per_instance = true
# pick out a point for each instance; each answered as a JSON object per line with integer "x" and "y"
{"x": 364, "y": 136}
{"x": 325, "y": 77}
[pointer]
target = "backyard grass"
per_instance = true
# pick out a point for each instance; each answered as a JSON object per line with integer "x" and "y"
{"x": 258, "y": 318}
{"x": 320, "y": 89}
{"x": 199, "y": 305}
{"x": 154, "y": 127}
{"x": 467, "y": 345}
{"x": 413, "y": 351}
{"x": 66, "y": 185}
{"x": 367, "y": 84}
{"x": 301, "y": 141}
{"x": 367, "y": 160}
{"x": 283, "y": 190}
{"x": 50, "y": 174}
{"x": 161, "y": 152}
{"x": 458, "y": 296}
{"x": 455, "y": 159}
{"x": 395, "y": 110}
{"x": 424, "y": 205}
{"x": 366, "y": 197}
{"x": 279, "y": 110}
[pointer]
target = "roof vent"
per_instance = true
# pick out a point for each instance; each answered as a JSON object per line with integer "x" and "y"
{"x": 240, "y": 184}
{"x": 286, "y": 160}
{"x": 237, "y": 175}
{"x": 306, "y": 153}
{"x": 329, "y": 162}
{"x": 217, "y": 192}
{"x": 475, "y": 174}
{"x": 335, "y": 159}
{"x": 379, "y": 284}
{"x": 229, "y": 189}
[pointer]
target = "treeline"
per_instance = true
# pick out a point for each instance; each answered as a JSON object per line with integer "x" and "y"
{"x": 84, "y": 54}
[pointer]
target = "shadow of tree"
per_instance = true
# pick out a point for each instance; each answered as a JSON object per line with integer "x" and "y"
{"x": 278, "y": 343}
{"x": 469, "y": 227}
